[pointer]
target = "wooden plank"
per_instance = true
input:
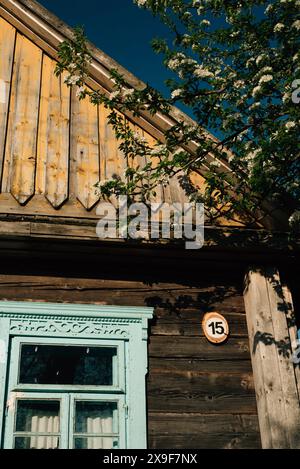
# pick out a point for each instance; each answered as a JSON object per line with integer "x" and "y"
{"x": 292, "y": 325}
{"x": 211, "y": 298}
{"x": 237, "y": 326}
{"x": 200, "y": 382}
{"x": 275, "y": 383}
{"x": 194, "y": 347}
{"x": 20, "y": 154}
{"x": 53, "y": 136}
{"x": 10, "y": 228}
{"x": 202, "y": 366}
{"x": 58, "y": 230}
{"x": 85, "y": 148}
{"x": 112, "y": 291}
{"x": 206, "y": 441}
{"x": 112, "y": 160}
{"x": 195, "y": 423}
{"x": 201, "y": 393}
{"x": 203, "y": 430}
{"x": 38, "y": 205}
{"x": 7, "y": 44}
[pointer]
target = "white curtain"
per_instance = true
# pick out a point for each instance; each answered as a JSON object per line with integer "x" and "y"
{"x": 103, "y": 424}
{"x": 44, "y": 424}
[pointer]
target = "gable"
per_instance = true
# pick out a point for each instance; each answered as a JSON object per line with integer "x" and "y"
{"x": 52, "y": 144}
{"x": 53, "y": 147}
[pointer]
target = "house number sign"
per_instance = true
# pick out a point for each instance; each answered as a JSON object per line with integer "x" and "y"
{"x": 215, "y": 327}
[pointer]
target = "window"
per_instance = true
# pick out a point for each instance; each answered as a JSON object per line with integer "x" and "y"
{"x": 75, "y": 376}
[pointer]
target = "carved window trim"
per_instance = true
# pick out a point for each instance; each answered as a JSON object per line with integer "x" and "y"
{"x": 81, "y": 321}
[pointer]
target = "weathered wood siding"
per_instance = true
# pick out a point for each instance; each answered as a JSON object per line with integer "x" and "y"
{"x": 199, "y": 395}
{"x": 53, "y": 147}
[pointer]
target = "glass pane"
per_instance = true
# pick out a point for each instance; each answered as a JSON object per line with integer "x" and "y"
{"x": 37, "y": 416}
{"x": 37, "y": 442}
{"x": 50, "y": 364}
{"x": 96, "y": 443}
{"x": 96, "y": 417}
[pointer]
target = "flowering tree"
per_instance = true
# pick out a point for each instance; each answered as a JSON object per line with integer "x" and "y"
{"x": 235, "y": 64}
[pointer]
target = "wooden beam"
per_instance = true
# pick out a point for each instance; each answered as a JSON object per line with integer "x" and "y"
{"x": 273, "y": 369}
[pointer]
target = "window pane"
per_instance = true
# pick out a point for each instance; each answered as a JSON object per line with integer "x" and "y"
{"x": 96, "y": 443}
{"x": 37, "y": 416}
{"x": 37, "y": 442}
{"x": 47, "y": 364}
{"x": 96, "y": 417}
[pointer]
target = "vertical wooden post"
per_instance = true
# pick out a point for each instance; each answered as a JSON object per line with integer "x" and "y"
{"x": 273, "y": 369}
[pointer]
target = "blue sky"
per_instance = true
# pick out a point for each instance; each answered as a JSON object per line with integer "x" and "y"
{"x": 121, "y": 30}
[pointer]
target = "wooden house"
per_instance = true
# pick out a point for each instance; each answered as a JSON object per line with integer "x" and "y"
{"x": 101, "y": 342}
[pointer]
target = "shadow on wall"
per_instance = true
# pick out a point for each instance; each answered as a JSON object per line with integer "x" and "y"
{"x": 204, "y": 300}
{"x": 284, "y": 307}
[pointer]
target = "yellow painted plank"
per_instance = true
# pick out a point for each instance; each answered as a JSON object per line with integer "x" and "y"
{"x": 53, "y": 136}
{"x": 85, "y": 148}
{"x": 7, "y": 43}
{"x": 112, "y": 160}
{"x": 20, "y": 152}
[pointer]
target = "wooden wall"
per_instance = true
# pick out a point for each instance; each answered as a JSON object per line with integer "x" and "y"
{"x": 199, "y": 395}
{"x": 53, "y": 147}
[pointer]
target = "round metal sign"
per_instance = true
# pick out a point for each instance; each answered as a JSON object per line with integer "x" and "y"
{"x": 215, "y": 327}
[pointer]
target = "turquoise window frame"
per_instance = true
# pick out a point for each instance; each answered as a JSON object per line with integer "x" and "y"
{"x": 80, "y": 324}
{"x": 66, "y": 432}
{"x": 119, "y": 364}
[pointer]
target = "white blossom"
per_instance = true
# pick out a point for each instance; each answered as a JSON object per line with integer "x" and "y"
{"x": 176, "y": 61}
{"x": 296, "y": 24}
{"x": 114, "y": 94}
{"x": 265, "y": 79}
{"x": 239, "y": 84}
{"x": 294, "y": 218}
{"x": 139, "y": 138}
{"x": 285, "y": 97}
{"x": 278, "y": 27}
{"x": 290, "y": 125}
{"x": 266, "y": 69}
{"x": 201, "y": 72}
{"x": 128, "y": 92}
{"x": 249, "y": 62}
{"x": 269, "y": 8}
{"x": 254, "y": 106}
{"x": 72, "y": 79}
{"x": 80, "y": 91}
{"x": 141, "y": 3}
{"x": 260, "y": 58}
{"x": 158, "y": 149}
{"x": 176, "y": 93}
{"x": 185, "y": 39}
{"x": 205, "y": 23}
{"x": 256, "y": 90}
{"x": 250, "y": 157}
{"x": 215, "y": 163}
